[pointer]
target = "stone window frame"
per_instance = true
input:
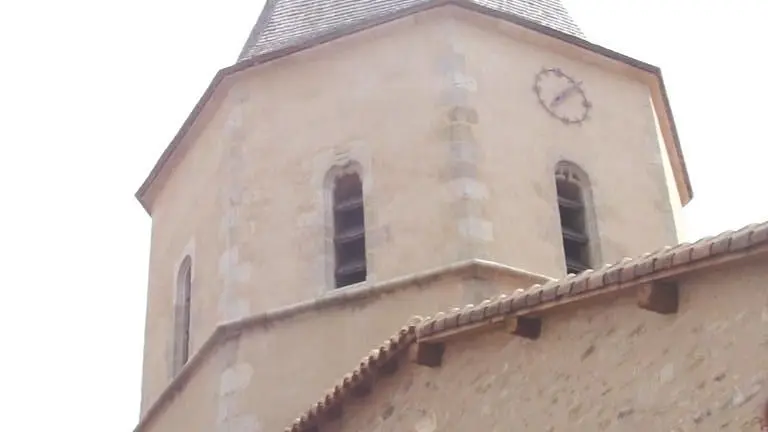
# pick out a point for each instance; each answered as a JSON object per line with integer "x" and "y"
{"x": 182, "y": 314}
{"x": 574, "y": 174}
{"x": 337, "y": 170}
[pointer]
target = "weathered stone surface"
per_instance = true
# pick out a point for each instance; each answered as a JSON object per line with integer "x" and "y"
{"x": 607, "y": 366}
{"x": 247, "y": 186}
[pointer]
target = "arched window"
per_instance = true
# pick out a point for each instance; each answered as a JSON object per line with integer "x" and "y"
{"x": 183, "y": 314}
{"x": 348, "y": 230}
{"x": 573, "y": 204}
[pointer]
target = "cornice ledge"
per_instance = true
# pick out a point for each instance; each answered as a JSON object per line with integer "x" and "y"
{"x": 474, "y": 268}
{"x": 655, "y": 275}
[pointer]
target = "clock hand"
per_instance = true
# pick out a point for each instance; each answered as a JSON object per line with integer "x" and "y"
{"x": 564, "y": 95}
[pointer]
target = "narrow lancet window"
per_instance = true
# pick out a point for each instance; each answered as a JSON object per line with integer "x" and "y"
{"x": 183, "y": 314}
{"x": 572, "y": 205}
{"x": 349, "y": 230}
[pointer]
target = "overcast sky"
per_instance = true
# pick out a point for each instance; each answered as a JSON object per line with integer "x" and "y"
{"x": 93, "y": 91}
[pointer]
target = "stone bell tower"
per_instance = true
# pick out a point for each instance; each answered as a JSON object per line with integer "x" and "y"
{"x": 363, "y": 162}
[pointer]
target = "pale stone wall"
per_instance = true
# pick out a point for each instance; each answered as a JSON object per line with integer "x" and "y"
{"x": 250, "y": 195}
{"x": 606, "y": 366}
{"x": 196, "y": 403}
{"x": 368, "y": 99}
{"x": 618, "y": 147}
{"x": 185, "y": 219}
{"x": 308, "y": 354}
{"x": 269, "y": 372}
{"x": 457, "y": 162}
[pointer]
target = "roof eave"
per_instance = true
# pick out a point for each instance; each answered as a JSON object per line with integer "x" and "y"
{"x": 666, "y": 264}
{"x": 142, "y": 193}
{"x": 686, "y": 191}
{"x": 146, "y": 187}
{"x": 686, "y": 194}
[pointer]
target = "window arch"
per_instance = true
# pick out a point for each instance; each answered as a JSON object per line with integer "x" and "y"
{"x": 183, "y": 314}
{"x": 574, "y": 207}
{"x": 350, "y": 264}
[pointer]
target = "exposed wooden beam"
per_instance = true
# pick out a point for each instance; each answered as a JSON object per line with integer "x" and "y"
{"x": 429, "y": 354}
{"x": 334, "y": 412}
{"x": 390, "y": 366}
{"x": 363, "y": 388}
{"x": 523, "y": 326}
{"x": 659, "y": 297}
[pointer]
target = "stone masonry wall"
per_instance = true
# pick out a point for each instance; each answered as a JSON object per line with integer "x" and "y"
{"x": 618, "y": 147}
{"x": 606, "y": 366}
{"x": 263, "y": 375}
{"x": 437, "y": 110}
{"x": 248, "y": 201}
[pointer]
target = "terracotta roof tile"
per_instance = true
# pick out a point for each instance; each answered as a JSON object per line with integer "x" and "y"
{"x": 533, "y": 295}
{"x": 612, "y": 274}
{"x": 701, "y": 249}
{"x": 439, "y": 322}
{"x": 741, "y": 238}
{"x": 626, "y": 270}
{"x": 644, "y": 265}
{"x": 465, "y": 314}
{"x": 663, "y": 259}
{"x": 580, "y": 282}
{"x": 492, "y": 309}
{"x": 506, "y": 304}
{"x": 623, "y": 272}
{"x": 478, "y": 313}
{"x": 452, "y": 320}
{"x": 427, "y": 327}
{"x": 368, "y": 365}
{"x": 721, "y": 243}
{"x": 596, "y": 280}
{"x": 760, "y": 234}
{"x": 566, "y": 285}
{"x": 518, "y": 300}
{"x": 549, "y": 291}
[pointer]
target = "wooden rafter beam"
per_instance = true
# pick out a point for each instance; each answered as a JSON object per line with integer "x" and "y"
{"x": 659, "y": 297}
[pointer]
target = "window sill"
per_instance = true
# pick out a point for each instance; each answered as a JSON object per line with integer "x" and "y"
{"x": 350, "y": 287}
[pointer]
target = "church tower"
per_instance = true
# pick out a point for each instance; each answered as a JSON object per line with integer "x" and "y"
{"x": 366, "y": 161}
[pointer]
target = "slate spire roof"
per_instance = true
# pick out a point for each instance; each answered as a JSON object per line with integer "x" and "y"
{"x": 287, "y": 22}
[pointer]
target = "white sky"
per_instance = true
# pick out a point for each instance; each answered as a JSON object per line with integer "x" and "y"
{"x": 91, "y": 92}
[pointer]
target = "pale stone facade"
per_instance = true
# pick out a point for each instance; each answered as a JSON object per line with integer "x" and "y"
{"x": 242, "y": 377}
{"x": 605, "y": 365}
{"x": 457, "y": 158}
{"x": 640, "y": 337}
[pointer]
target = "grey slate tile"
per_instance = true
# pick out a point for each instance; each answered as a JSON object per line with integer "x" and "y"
{"x": 288, "y": 22}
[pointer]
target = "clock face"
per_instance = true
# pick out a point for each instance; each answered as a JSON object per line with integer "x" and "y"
{"x": 562, "y": 96}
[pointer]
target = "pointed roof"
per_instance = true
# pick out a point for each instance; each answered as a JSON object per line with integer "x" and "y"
{"x": 287, "y": 22}
{"x": 257, "y": 51}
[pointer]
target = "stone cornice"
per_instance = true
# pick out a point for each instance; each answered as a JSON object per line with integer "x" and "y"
{"x": 474, "y": 268}
{"x": 654, "y": 276}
